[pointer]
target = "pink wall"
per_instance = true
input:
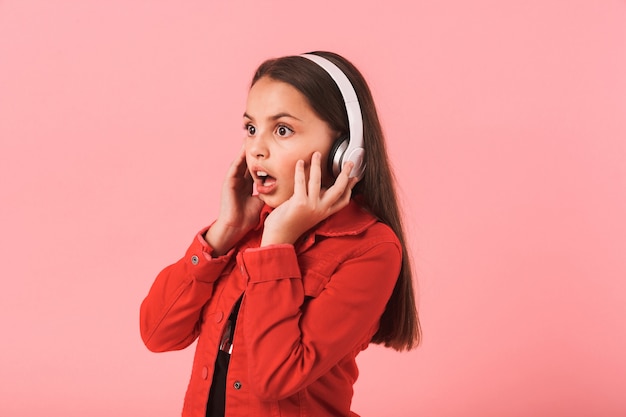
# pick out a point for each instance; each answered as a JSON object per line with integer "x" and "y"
{"x": 507, "y": 125}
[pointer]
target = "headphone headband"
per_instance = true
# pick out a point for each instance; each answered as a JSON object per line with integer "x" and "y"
{"x": 354, "y": 151}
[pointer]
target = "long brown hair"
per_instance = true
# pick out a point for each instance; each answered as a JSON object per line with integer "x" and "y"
{"x": 399, "y": 324}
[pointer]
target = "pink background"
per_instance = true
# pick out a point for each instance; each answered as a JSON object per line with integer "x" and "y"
{"x": 506, "y": 122}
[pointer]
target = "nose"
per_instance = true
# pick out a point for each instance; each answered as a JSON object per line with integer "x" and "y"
{"x": 257, "y": 146}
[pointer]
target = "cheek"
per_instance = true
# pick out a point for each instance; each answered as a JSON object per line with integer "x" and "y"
{"x": 249, "y": 162}
{"x": 326, "y": 171}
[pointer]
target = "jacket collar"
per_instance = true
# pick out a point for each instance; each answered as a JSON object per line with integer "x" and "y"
{"x": 351, "y": 220}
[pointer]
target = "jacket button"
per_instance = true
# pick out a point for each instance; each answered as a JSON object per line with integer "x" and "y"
{"x": 237, "y": 385}
{"x": 205, "y": 372}
{"x": 195, "y": 259}
{"x": 219, "y": 316}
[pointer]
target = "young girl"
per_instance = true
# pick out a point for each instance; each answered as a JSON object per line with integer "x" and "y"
{"x": 306, "y": 262}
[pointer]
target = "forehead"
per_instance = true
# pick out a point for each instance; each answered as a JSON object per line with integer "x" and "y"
{"x": 269, "y": 96}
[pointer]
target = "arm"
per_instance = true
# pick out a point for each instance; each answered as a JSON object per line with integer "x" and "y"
{"x": 293, "y": 344}
{"x": 170, "y": 313}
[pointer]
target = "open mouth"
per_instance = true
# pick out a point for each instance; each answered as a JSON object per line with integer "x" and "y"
{"x": 265, "y": 178}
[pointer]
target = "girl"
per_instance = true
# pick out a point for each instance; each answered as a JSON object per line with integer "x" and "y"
{"x": 305, "y": 264}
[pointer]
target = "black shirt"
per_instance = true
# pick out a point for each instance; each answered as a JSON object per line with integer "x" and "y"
{"x": 217, "y": 395}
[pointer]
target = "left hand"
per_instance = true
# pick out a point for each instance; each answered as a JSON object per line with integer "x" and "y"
{"x": 309, "y": 204}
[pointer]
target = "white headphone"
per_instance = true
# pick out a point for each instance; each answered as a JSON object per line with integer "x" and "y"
{"x": 348, "y": 148}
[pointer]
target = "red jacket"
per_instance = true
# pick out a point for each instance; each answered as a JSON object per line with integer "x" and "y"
{"x": 308, "y": 309}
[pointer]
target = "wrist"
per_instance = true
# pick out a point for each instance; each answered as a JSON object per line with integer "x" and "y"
{"x": 276, "y": 238}
{"x": 222, "y": 237}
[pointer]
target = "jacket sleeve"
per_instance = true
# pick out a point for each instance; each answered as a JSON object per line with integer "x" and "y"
{"x": 291, "y": 344}
{"x": 170, "y": 313}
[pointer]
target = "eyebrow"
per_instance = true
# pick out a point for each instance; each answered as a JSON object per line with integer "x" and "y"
{"x": 275, "y": 117}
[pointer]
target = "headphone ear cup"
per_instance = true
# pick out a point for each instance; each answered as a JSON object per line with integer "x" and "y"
{"x": 335, "y": 158}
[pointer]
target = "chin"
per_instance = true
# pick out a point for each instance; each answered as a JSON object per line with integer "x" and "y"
{"x": 271, "y": 200}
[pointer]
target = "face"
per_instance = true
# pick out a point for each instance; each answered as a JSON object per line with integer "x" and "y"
{"x": 281, "y": 129}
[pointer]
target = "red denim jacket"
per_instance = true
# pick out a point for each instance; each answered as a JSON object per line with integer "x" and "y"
{"x": 308, "y": 309}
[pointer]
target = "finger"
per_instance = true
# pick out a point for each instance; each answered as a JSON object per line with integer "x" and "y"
{"x": 343, "y": 179}
{"x": 239, "y": 166}
{"x": 315, "y": 176}
{"x": 299, "y": 180}
{"x": 341, "y": 184}
{"x": 344, "y": 199}
{"x": 347, "y": 168}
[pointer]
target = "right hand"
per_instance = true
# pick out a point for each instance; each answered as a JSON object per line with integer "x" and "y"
{"x": 239, "y": 209}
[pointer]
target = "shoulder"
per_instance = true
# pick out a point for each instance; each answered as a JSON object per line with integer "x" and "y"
{"x": 354, "y": 229}
{"x": 352, "y": 241}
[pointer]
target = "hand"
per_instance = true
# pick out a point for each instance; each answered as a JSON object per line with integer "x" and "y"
{"x": 309, "y": 204}
{"x": 239, "y": 209}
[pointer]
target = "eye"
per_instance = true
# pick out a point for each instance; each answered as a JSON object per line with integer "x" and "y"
{"x": 250, "y": 129}
{"x": 284, "y": 131}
